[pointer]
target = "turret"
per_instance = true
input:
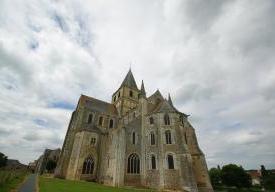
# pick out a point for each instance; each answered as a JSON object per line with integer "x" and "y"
{"x": 170, "y": 100}
{"x": 126, "y": 97}
{"x": 142, "y": 91}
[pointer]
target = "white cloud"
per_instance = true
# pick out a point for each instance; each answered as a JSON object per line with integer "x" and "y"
{"x": 216, "y": 58}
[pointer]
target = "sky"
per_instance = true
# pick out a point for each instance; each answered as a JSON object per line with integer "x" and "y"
{"x": 216, "y": 59}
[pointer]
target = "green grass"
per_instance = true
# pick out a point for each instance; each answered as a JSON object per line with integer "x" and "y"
{"x": 11, "y": 179}
{"x": 61, "y": 185}
{"x": 230, "y": 189}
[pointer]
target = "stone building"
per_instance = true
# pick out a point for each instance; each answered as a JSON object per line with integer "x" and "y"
{"x": 14, "y": 164}
{"x": 133, "y": 140}
{"x": 41, "y": 162}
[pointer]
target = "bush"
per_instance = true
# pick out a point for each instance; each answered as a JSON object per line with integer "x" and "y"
{"x": 233, "y": 175}
{"x": 267, "y": 179}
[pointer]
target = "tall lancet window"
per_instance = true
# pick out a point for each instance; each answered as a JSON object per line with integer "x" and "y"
{"x": 133, "y": 166}
{"x": 90, "y": 118}
{"x": 100, "y": 122}
{"x": 152, "y": 138}
{"x": 170, "y": 161}
{"x": 168, "y": 137}
{"x": 166, "y": 119}
{"x": 153, "y": 162}
{"x": 134, "y": 138}
{"x": 111, "y": 123}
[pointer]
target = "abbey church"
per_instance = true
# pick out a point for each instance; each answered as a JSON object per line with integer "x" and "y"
{"x": 135, "y": 140}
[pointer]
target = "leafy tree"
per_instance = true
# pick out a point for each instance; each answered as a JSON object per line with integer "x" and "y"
{"x": 264, "y": 172}
{"x": 215, "y": 176}
{"x": 3, "y": 160}
{"x": 51, "y": 165}
{"x": 267, "y": 179}
{"x": 233, "y": 175}
{"x": 269, "y": 182}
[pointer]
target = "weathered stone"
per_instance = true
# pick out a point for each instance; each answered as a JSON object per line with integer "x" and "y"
{"x": 115, "y": 140}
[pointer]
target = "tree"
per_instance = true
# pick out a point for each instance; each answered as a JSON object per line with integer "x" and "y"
{"x": 267, "y": 179}
{"x": 3, "y": 160}
{"x": 233, "y": 175}
{"x": 269, "y": 182}
{"x": 50, "y": 166}
{"x": 215, "y": 176}
{"x": 264, "y": 172}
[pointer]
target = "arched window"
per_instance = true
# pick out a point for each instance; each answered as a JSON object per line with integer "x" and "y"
{"x": 111, "y": 123}
{"x": 88, "y": 166}
{"x": 114, "y": 98}
{"x": 166, "y": 119}
{"x": 131, "y": 93}
{"x": 133, "y": 164}
{"x": 118, "y": 95}
{"x": 100, "y": 122}
{"x": 134, "y": 138}
{"x": 170, "y": 161}
{"x": 93, "y": 141}
{"x": 151, "y": 120}
{"x": 168, "y": 137}
{"x": 90, "y": 118}
{"x": 152, "y": 138}
{"x": 153, "y": 162}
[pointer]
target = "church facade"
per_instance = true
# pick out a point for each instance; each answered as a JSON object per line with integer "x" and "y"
{"x": 133, "y": 140}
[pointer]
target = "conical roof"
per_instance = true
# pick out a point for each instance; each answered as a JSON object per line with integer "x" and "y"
{"x": 142, "y": 89}
{"x": 129, "y": 81}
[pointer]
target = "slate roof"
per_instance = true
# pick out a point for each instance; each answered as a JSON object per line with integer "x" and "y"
{"x": 142, "y": 89}
{"x": 162, "y": 107}
{"x": 161, "y": 104}
{"x": 98, "y": 105}
{"x": 129, "y": 81}
{"x": 156, "y": 95}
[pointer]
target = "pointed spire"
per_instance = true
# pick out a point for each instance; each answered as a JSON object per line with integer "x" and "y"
{"x": 129, "y": 80}
{"x": 170, "y": 100}
{"x": 142, "y": 89}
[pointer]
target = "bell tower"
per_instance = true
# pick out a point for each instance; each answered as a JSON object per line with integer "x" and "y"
{"x": 126, "y": 97}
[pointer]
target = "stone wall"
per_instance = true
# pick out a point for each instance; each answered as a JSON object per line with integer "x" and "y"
{"x": 114, "y": 146}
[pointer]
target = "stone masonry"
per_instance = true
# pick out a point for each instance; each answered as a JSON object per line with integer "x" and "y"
{"x": 134, "y": 140}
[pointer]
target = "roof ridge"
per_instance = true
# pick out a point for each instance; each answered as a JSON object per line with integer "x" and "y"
{"x": 89, "y": 97}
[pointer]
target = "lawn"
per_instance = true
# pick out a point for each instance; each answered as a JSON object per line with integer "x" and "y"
{"x": 61, "y": 185}
{"x": 11, "y": 179}
{"x": 230, "y": 189}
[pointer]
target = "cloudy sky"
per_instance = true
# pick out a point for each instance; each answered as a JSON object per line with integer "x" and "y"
{"x": 216, "y": 58}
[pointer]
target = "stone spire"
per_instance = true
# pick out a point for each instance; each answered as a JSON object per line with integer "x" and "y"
{"x": 170, "y": 100}
{"x": 142, "y": 90}
{"x": 129, "y": 81}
